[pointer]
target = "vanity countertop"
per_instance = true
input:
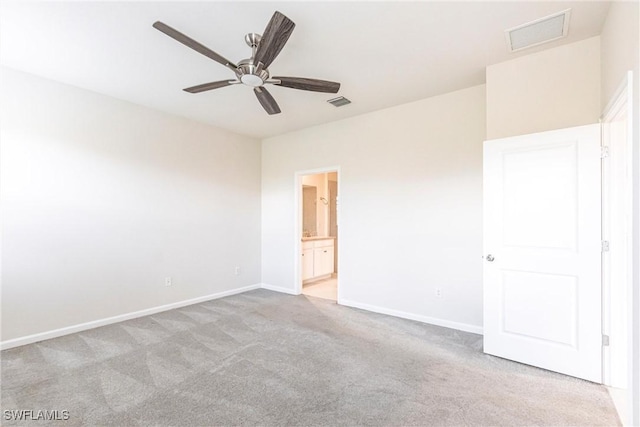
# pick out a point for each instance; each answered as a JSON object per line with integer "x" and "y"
{"x": 307, "y": 239}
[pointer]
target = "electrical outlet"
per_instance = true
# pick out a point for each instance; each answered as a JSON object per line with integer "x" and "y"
{"x": 237, "y": 271}
{"x": 167, "y": 281}
{"x": 438, "y": 292}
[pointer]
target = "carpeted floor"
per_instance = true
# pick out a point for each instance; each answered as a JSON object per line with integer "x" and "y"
{"x": 264, "y": 358}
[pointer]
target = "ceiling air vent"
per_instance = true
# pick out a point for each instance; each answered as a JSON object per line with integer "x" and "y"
{"x": 339, "y": 101}
{"x": 540, "y": 31}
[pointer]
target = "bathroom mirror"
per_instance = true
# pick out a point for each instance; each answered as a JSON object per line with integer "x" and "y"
{"x": 309, "y": 211}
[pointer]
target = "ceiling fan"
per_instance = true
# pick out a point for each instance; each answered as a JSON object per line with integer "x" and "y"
{"x": 254, "y": 71}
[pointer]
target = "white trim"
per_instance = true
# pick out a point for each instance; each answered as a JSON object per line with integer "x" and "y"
{"x": 620, "y": 103}
{"x": 411, "y": 316}
{"x": 41, "y": 336}
{"x": 624, "y": 93}
{"x": 396, "y": 313}
{"x": 279, "y": 289}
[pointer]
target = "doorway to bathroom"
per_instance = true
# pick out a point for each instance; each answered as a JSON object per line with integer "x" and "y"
{"x": 318, "y": 234}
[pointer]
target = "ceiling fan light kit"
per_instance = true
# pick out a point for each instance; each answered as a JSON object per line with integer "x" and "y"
{"x": 253, "y": 71}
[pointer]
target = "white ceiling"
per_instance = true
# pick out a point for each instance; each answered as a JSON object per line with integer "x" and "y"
{"x": 383, "y": 53}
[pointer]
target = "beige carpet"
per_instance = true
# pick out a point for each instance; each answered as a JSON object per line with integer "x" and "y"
{"x": 269, "y": 359}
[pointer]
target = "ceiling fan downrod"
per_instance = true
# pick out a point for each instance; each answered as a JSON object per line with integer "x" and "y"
{"x": 253, "y": 72}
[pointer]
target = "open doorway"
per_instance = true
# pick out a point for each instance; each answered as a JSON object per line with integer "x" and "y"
{"x": 318, "y": 233}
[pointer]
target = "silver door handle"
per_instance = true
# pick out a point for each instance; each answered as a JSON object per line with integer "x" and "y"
{"x": 490, "y": 258}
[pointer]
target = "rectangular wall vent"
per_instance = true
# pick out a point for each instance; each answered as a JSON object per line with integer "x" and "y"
{"x": 540, "y": 31}
{"x": 339, "y": 101}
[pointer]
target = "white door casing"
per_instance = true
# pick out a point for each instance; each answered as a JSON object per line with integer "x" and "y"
{"x": 542, "y": 291}
{"x": 617, "y": 225}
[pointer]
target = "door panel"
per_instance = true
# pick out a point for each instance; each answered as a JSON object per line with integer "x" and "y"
{"x": 319, "y": 262}
{"x": 330, "y": 258}
{"x": 307, "y": 264}
{"x": 540, "y": 212}
{"x": 550, "y": 299}
{"x": 323, "y": 261}
{"x": 542, "y": 291}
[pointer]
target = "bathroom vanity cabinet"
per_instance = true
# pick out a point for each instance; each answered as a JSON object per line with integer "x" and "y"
{"x": 317, "y": 258}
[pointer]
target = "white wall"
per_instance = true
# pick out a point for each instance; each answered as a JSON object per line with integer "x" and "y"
{"x": 410, "y": 205}
{"x": 101, "y": 199}
{"x": 553, "y": 89}
{"x": 620, "y": 53}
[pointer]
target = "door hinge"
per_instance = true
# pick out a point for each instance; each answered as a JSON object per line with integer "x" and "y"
{"x": 605, "y": 340}
{"x": 605, "y": 246}
{"x": 604, "y": 152}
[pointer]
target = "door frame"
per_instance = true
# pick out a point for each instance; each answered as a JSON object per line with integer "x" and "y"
{"x": 297, "y": 224}
{"x": 494, "y": 296}
{"x": 620, "y": 103}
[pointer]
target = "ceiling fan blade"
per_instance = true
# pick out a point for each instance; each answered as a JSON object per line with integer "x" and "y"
{"x": 266, "y": 100}
{"x": 188, "y": 41}
{"x": 208, "y": 86}
{"x": 314, "y": 85}
{"x": 274, "y": 38}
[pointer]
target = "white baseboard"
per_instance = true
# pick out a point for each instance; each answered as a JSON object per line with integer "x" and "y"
{"x": 424, "y": 319}
{"x": 279, "y": 289}
{"x": 29, "y": 339}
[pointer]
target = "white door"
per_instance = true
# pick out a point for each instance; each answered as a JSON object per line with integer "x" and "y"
{"x": 542, "y": 250}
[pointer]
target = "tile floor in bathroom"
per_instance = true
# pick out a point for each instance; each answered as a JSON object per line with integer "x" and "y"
{"x": 327, "y": 288}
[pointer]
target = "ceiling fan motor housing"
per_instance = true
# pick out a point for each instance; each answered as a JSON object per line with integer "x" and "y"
{"x": 250, "y": 74}
{"x": 253, "y": 72}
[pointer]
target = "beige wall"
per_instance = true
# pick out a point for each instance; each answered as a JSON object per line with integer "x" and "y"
{"x": 553, "y": 89}
{"x": 102, "y": 199}
{"x": 410, "y": 206}
{"x": 619, "y": 43}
